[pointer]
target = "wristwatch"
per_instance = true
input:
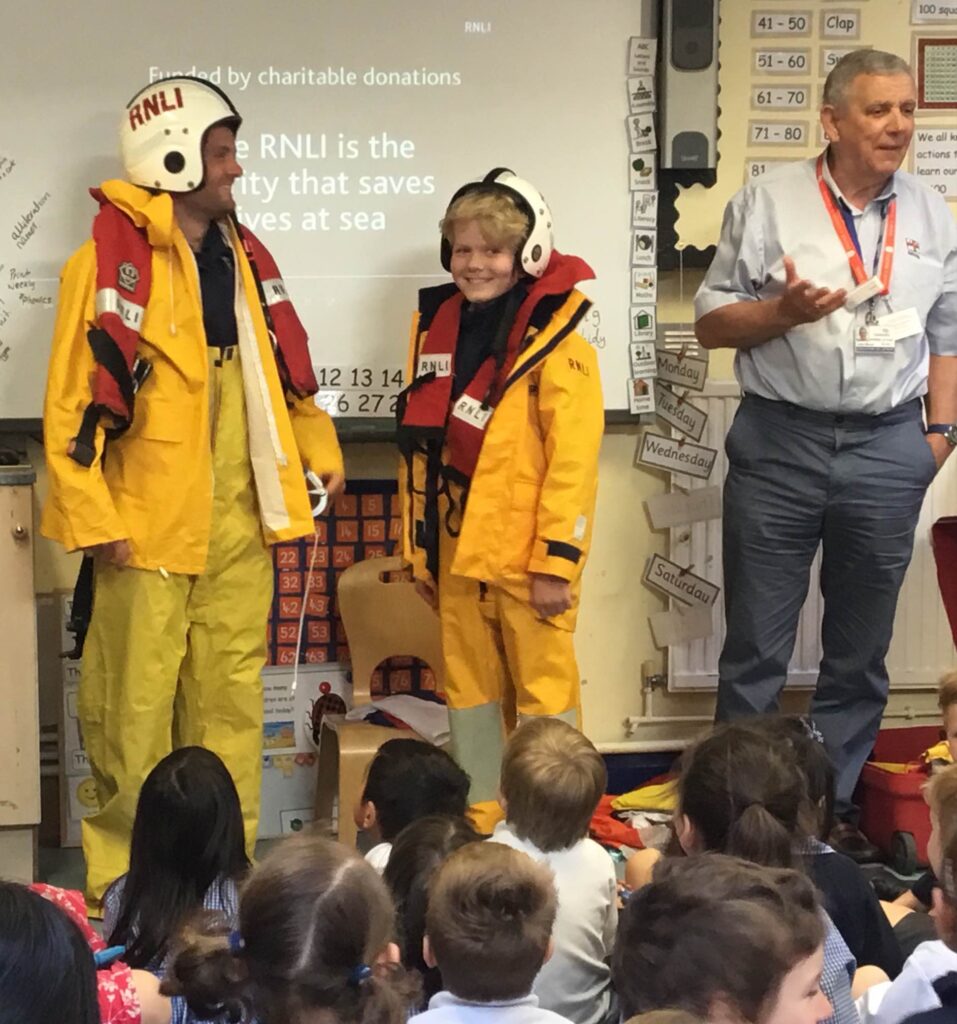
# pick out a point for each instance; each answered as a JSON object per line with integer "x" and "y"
{"x": 949, "y": 430}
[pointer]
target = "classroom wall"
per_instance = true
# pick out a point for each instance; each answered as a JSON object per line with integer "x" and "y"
{"x": 613, "y": 639}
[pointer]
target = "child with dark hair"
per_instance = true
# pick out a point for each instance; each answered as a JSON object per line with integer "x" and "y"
{"x": 725, "y": 940}
{"x": 187, "y": 852}
{"x": 314, "y": 943}
{"x": 488, "y": 930}
{"x": 47, "y": 972}
{"x": 741, "y": 793}
{"x": 552, "y": 780}
{"x": 846, "y": 894}
{"x": 419, "y": 851}
{"x": 407, "y": 779}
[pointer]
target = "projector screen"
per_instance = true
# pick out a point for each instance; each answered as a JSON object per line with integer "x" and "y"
{"x": 361, "y": 118}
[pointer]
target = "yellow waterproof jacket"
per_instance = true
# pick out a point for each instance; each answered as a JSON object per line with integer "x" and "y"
{"x": 154, "y": 487}
{"x": 531, "y": 501}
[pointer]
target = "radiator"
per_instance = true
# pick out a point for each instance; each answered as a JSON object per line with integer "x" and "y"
{"x": 922, "y": 648}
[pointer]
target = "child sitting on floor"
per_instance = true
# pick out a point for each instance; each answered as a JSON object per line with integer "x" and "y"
{"x": 725, "y": 940}
{"x": 909, "y": 912}
{"x": 552, "y": 780}
{"x": 740, "y": 793}
{"x": 420, "y": 849}
{"x": 47, "y": 968}
{"x": 407, "y": 779}
{"x": 187, "y": 852}
{"x": 488, "y": 930}
{"x": 929, "y": 977}
{"x": 846, "y": 894}
{"x": 314, "y": 943}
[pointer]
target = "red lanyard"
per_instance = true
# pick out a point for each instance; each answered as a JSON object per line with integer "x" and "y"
{"x": 850, "y": 249}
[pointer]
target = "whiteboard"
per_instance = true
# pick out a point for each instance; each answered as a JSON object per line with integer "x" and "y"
{"x": 361, "y": 118}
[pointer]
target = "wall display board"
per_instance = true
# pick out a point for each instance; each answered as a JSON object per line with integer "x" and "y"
{"x": 361, "y": 120}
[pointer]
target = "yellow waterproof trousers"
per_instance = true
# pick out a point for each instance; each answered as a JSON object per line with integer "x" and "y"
{"x": 501, "y": 661}
{"x": 174, "y": 660}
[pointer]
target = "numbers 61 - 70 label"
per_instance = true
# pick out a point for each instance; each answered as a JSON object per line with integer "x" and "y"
{"x": 780, "y": 97}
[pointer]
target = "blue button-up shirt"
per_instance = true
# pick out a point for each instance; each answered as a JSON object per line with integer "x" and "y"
{"x": 814, "y": 365}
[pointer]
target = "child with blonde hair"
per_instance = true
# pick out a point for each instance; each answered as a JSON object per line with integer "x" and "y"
{"x": 552, "y": 780}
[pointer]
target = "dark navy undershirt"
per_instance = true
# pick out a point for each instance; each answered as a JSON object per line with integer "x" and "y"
{"x": 217, "y": 281}
{"x": 478, "y": 329}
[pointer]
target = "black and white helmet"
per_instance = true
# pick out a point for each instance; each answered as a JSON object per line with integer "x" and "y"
{"x": 536, "y": 250}
{"x": 161, "y": 135}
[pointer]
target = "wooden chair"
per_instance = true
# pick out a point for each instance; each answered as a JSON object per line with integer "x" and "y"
{"x": 382, "y": 619}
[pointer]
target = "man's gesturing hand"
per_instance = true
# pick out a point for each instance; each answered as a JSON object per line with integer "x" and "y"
{"x": 802, "y": 303}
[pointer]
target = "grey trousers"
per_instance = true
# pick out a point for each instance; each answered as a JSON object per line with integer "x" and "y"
{"x": 798, "y": 479}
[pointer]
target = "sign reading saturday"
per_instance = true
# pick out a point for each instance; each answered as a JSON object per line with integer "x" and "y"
{"x": 679, "y": 582}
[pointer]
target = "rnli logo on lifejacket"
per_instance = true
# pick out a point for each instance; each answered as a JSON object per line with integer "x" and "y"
{"x": 440, "y": 365}
{"x": 163, "y": 101}
{"x": 471, "y": 410}
{"x": 127, "y": 276}
{"x": 275, "y": 291}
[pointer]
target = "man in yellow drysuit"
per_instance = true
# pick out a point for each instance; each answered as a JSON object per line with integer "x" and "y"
{"x": 500, "y": 429}
{"x": 178, "y": 424}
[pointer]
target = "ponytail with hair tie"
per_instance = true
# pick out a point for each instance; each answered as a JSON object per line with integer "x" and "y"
{"x": 359, "y": 974}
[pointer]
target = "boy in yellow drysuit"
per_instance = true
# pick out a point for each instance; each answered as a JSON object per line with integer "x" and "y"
{"x": 500, "y": 430}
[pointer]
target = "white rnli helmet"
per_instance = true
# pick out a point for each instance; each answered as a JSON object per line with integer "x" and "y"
{"x": 536, "y": 250}
{"x": 161, "y": 135}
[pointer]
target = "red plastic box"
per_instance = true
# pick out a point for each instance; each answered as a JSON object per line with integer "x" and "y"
{"x": 894, "y": 815}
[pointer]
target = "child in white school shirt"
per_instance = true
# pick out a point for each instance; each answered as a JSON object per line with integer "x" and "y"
{"x": 488, "y": 930}
{"x": 552, "y": 779}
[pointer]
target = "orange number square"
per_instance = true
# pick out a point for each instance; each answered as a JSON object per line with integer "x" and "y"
{"x": 372, "y": 504}
{"x": 347, "y": 531}
{"x": 290, "y": 582}
{"x": 319, "y": 633}
{"x": 287, "y": 632}
{"x": 346, "y": 505}
{"x": 287, "y": 557}
{"x": 343, "y": 556}
{"x": 373, "y": 530}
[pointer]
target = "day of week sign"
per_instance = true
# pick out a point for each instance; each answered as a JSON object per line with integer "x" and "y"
{"x": 777, "y": 133}
{"x": 685, "y": 371}
{"x": 676, "y": 454}
{"x": 781, "y": 23}
{"x": 783, "y": 62}
{"x": 680, "y": 583}
{"x": 780, "y": 97}
{"x": 841, "y": 25}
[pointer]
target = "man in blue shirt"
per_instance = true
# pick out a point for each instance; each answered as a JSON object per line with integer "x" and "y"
{"x": 835, "y": 279}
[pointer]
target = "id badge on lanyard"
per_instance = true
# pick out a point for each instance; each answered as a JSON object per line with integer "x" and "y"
{"x": 872, "y": 337}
